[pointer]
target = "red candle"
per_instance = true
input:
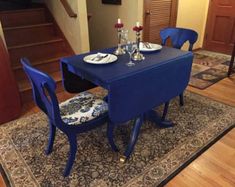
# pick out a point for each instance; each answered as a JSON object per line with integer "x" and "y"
{"x": 119, "y": 24}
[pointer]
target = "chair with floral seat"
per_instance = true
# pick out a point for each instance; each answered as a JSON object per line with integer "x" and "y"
{"x": 178, "y": 37}
{"x": 77, "y": 115}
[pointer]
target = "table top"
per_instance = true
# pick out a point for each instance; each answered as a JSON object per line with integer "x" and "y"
{"x": 134, "y": 90}
{"x": 117, "y": 70}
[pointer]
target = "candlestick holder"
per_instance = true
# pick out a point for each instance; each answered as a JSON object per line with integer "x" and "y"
{"x": 119, "y": 50}
{"x": 137, "y": 56}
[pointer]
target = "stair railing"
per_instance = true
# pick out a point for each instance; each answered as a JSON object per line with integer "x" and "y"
{"x": 68, "y": 9}
{"x": 2, "y": 35}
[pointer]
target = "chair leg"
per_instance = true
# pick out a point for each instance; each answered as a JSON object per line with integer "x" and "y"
{"x": 165, "y": 110}
{"x": 231, "y": 62}
{"x": 230, "y": 69}
{"x": 110, "y": 129}
{"x": 73, "y": 149}
{"x": 181, "y": 99}
{"x": 52, "y": 132}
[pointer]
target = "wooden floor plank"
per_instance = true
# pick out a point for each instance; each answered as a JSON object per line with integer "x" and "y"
{"x": 215, "y": 167}
{"x": 2, "y": 184}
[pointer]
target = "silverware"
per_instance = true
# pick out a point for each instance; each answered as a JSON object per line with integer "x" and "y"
{"x": 99, "y": 57}
{"x": 147, "y": 45}
{"x": 109, "y": 56}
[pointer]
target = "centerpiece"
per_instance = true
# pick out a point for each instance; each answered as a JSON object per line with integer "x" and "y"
{"x": 137, "y": 55}
{"x": 119, "y": 51}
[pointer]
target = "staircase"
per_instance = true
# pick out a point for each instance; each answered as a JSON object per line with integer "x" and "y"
{"x": 33, "y": 33}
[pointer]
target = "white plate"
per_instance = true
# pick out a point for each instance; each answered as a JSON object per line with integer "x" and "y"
{"x": 154, "y": 47}
{"x": 109, "y": 59}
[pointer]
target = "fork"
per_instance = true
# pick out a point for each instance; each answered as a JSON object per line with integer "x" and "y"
{"x": 99, "y": 57}
{"x": 148, "y": 46}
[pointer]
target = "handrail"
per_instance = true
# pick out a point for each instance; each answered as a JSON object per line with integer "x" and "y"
{"x": 2, "y": 35}
{"x": 68, "y": 9}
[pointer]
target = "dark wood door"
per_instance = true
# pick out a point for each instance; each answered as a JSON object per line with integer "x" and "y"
{"x": 220, "y": 31}
{"x": 158, "y": 14}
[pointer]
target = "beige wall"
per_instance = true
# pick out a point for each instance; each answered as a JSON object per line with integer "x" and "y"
{"x": 74, "y": 29}
{"x": 193, "y": 14}
{"x": 101, "y": 26}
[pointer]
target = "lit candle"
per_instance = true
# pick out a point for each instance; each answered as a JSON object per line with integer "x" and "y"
{"x": 137, "y": 24}
{"x": 119, "y": 21}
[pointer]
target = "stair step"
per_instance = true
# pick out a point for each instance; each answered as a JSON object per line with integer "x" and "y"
{"x": 10, "y": 5}
{"x": 33, "y": 33}
{"x": 26, "y": 89}
{"x": 25, "y": 84}
{"x": 36, "y": 51}
{"x": 47, "y": 66}
{"x": 35, "y": 44}
{"x": 17, "y": 35}
{"x": 23, "y": 17}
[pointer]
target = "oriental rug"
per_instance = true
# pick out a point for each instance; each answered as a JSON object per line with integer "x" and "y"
{"x": 159, "y": 155}
{"x": 208, "y": 68}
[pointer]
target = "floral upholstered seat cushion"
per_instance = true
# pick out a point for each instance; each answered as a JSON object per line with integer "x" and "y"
{"x": 82, "y": 108}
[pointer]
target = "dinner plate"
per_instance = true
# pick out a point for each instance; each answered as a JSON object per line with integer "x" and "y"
{"x": 153, "y": 47}
{"x": 94, "y": 58}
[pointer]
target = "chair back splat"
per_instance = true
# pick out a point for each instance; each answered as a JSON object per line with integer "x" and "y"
{"x": 179, "y": 36}
{"x": 43, "y": 91}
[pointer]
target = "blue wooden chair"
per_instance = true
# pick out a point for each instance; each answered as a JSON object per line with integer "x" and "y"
{"x": 76, "y": 115}
{"x": 178, "y": 37}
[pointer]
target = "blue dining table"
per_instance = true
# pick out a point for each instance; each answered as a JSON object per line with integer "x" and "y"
{"x": 133, "y": 92}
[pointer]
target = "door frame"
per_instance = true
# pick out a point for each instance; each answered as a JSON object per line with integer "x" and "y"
{"x": 207, "y": 25}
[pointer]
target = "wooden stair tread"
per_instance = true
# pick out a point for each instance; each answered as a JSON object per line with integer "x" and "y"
{"x": 36, "y": 43}
{"x": 44, "y": 61}
{"x": 28, "y": 26}
{"x": 25, "y": 84}
{"x": 34, "y": 33}
{"x": 22, "y": 10}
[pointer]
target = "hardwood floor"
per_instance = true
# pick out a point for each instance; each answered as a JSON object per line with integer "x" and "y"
{"x": 2, "y": 184}
{"x": 216, "y": 166}
{"x": 223, "y": 91}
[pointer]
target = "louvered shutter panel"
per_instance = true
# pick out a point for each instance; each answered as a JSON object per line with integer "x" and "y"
{"x": 161, "y": 16}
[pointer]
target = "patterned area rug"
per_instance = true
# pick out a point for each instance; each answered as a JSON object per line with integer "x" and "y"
{"x": 208, "y": 68}
{"x": 158, "y": 156}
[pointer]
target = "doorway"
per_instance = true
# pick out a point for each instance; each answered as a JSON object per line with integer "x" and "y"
{"x": 158, "y": 14}
{"x": 220, "y": 28}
